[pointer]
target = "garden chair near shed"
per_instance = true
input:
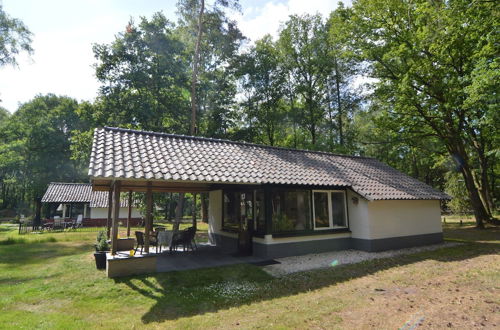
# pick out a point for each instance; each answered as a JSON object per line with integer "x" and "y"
{"x": 79, "y": 221}
{"x": 58, "y": 223}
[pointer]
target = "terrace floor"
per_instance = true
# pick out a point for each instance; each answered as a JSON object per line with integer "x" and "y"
{"x": 205, "y": 256}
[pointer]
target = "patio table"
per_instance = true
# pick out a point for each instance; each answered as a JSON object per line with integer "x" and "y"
{"x": 165, "y": 238}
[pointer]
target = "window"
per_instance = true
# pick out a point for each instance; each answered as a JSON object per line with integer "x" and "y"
{"x": 290, "y": 210}
{"x": 231, "y": 205}
{"x": 238, "y": 208}
{"x": 329, "y": 209}
{"x": 321, "y": 210}
{"x": 260, "y": 222}
{"x": 338, "y": 209}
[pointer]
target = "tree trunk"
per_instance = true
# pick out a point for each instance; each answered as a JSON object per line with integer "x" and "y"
{"x": 194, "y": 77}
{"x": 178, "y": 212}
{"x": 194, "y": 211}
{"x": 204, "y": 207}
{"x": 37, "y": 221}
{"x": 339, "y": 104}
{"x": 485, "y": 184}
{"x": 480, "y": 212}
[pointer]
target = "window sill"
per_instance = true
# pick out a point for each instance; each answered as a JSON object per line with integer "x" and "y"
{"x": 312, "y": 232}
{"x": 230, "y": 230}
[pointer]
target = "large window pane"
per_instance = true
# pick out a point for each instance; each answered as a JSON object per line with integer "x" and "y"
{"x": 259, "y": 211}
{"x": 246, "y": 210}
{"x": 231, "y": 210}
{"x": 338, "y": 209}
{"x": 290, "y": 210}
{"x": 321, "y": 214}
{"x": 238, "y": 208}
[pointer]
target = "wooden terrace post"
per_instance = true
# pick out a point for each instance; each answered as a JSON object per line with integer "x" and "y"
{"x": 268, "y": 211}
{"x": 116, "y": 215}
{"x": 129, "y": 217}
{"x": 110, "y": 202}
{"x": 149, "y": 216}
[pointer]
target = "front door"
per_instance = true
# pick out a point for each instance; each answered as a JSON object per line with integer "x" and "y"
{"x": 246, "y": 225}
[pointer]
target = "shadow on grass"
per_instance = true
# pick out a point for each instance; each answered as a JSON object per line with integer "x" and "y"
{"x": 12, "y": 280}
{"x": 471, "y": 234}
{"x": 33, "y": 253}
{"x": 189, "y": 293}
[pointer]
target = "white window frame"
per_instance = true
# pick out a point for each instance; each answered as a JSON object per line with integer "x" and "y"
{"x": 330, "y": 210}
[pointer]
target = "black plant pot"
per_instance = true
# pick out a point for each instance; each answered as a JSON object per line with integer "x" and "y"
{"x": 100, "y": 259}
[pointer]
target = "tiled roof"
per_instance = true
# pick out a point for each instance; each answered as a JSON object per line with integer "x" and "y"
{"x": 59, "y": 192}
{"x": 130, "y": 154}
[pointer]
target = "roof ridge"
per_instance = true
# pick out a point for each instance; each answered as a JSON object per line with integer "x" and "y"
{"x": 201, "y": 138}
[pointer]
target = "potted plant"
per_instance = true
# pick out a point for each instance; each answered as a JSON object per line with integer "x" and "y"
{"x": 101, "y": 247}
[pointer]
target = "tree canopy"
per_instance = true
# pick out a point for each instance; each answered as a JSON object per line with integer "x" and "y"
{"x": 411, "y": 83}
{"x": 14, "y": 38}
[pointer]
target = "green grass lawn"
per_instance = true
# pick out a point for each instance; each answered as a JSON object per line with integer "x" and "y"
{"x": 49, "y": 281}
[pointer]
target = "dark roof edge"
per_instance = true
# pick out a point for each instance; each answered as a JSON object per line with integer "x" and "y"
{"x": 55, "y": 182}
{"x": 199, "y": 138}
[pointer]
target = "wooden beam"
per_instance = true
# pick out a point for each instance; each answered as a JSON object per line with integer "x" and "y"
{"x": 116, "y": 215}
{"x": 149, "y": 216}
{"x": 157, "y": 189}
{"x": 129, "y": 217}
{"x": 108, "y": 219}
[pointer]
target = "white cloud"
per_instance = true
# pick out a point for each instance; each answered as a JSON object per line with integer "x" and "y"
{"x": 256, "y": 22}
{"x": 65, "y": 31}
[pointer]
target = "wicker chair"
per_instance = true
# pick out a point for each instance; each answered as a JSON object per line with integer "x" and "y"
{"x": 139, "y": 237}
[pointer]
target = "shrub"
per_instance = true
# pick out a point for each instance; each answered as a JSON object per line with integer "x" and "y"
{"x": 102, "y": 242}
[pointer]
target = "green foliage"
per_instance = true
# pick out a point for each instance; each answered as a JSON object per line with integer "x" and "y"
{"x": 144, "y": 78}
{"x": 35, "y": 143}
{"x": 101, "y": 244}
{"x": 434, "y": 63}
{"x": 432, "y": 95}
{"x": 282, "y": 223}
{"x": 14, "y": 38}
{"x": 455, "y": 187}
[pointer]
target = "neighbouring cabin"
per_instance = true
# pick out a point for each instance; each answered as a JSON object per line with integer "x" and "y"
{"x": 69, "y": 200}
{"x": 269, "y": 201}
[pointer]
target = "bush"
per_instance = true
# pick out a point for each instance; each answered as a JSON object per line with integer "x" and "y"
{"x": 102, "y": 242}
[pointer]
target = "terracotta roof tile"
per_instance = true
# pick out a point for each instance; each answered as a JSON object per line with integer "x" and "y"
{"x": 60, "y": 192}
{"x": 172, "y": 157}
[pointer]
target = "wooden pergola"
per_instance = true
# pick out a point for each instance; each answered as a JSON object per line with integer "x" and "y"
{"x": 116, "y": 186}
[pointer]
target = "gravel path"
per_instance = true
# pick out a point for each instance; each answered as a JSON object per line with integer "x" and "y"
{"x": 290, "y": 265}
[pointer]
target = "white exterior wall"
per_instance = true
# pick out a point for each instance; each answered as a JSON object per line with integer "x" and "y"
{"x": 102, "y": 212}
{"x": 394, "y": 218}
{"x": 215, "y": 214}
{"x": 359, "y": 219}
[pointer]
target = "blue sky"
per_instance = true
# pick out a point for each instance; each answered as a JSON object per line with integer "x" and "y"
{"x": 64, "y": 31}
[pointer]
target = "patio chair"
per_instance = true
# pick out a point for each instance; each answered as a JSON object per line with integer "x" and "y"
{"x": 191, "y": 234}
{"x": 184, "y": 238}
{"x": 139, "y": 237}
{"x": 79, "y": 221}
{"x": 58, "y": 223}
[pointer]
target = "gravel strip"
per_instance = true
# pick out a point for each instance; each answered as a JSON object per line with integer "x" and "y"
{"x": 294, "y": 264}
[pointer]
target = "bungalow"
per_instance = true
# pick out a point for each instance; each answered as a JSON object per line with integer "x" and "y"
{"x": 270, "y": 201}
{"x": 68, "y": 200}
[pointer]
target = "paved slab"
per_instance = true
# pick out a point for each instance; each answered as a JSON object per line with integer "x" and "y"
{"x": 204, "y": 257}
